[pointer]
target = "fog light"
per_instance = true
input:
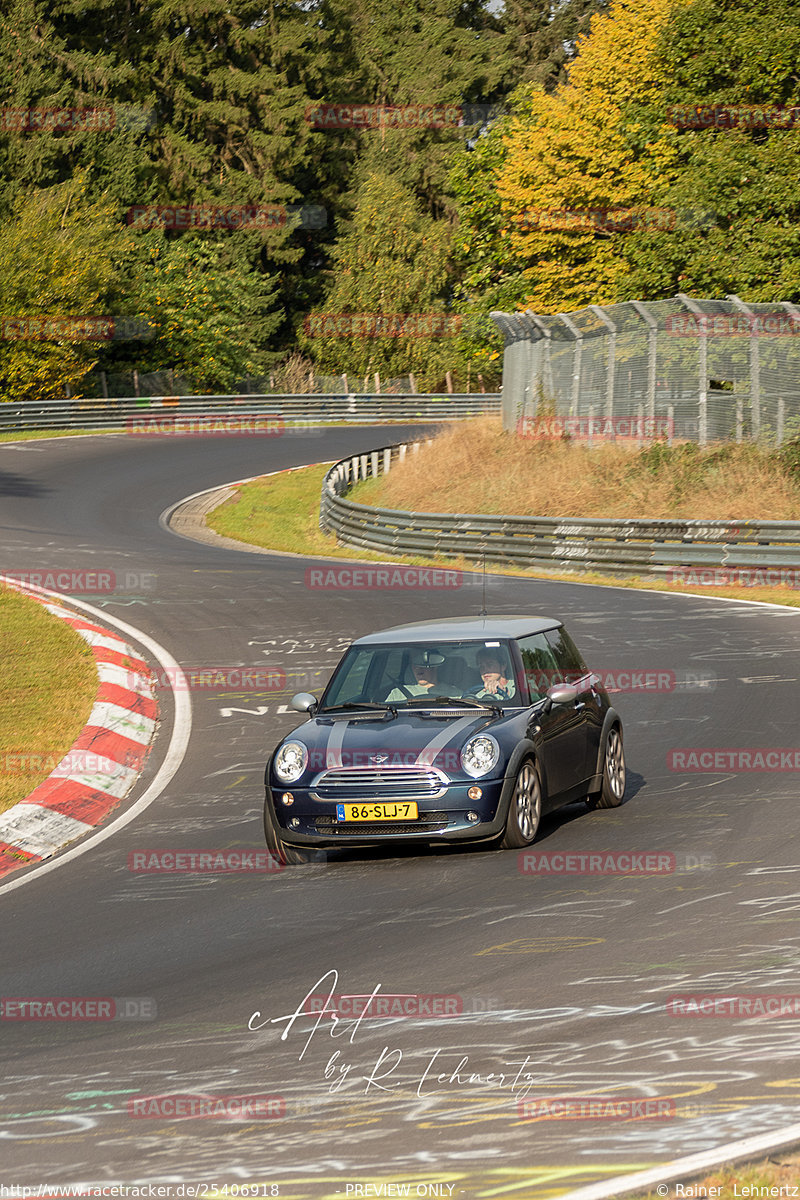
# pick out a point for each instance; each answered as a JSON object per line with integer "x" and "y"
{"x": 294, "y": 823}
{"x": 472, "y": 817}
{"x": 474, "y": 793}
{"x": 287, "y": 798}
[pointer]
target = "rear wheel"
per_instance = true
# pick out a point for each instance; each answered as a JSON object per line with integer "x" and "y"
{"x": 290, "y": 856}
{"x": 612, "y": 790}
{"x": 525, "y": 809}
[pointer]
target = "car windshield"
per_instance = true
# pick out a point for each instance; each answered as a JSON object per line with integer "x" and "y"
{"x": 408, "y": 673}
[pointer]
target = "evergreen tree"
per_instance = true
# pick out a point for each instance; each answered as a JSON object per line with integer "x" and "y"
{"x": 393, "y": 260}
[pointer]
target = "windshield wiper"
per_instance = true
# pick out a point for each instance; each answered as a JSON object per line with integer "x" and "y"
{"x": 469, "y": 701}
{"x": 361, "y": 704}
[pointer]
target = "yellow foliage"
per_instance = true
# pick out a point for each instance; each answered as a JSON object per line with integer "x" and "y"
{"x": 583, "y": 148}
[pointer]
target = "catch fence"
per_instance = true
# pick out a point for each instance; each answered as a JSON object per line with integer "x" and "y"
{"x": 703, "y": 370}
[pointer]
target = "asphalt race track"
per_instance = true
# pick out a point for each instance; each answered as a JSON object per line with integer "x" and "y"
{"x": 559, "y": 982}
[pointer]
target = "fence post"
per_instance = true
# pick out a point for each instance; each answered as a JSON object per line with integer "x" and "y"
{"x": 739, "y": 418}
{"x": 611, "y": 360}
{"x": 652, "y": 356}
{"x": 670, "y": 423}
{"x": 702, "y": 402}
{"x": 781, "y": 420}
{"x": 590, "y": 439}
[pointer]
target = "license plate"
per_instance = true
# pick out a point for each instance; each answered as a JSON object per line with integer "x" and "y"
{"x": 402, "y": 810}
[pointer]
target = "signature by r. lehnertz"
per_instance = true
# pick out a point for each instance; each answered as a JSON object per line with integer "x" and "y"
{"x": 340, "y": 1072}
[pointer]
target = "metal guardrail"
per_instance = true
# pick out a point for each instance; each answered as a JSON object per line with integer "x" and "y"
{"x": 625, "y": 547}
{"x": 354, "y": 408}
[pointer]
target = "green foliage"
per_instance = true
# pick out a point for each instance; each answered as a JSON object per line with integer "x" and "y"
{"x": 393, "y": 259}
{"x": 56, "y": 260}
{"x": 787, "y": 457}
{"x": 210, "y": 321}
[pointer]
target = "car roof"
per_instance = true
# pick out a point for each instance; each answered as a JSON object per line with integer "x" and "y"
{"x": 461, "y": 629}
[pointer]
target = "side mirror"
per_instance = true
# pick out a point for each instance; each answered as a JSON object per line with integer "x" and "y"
{"x": 303, "y": 702}
{"x": 562, "y": 693}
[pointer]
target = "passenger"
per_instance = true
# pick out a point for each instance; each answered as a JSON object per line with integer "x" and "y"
{"x": 425, "y": 665}
{"x": 495, "y": 684}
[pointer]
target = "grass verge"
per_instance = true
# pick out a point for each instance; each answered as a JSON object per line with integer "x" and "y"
{"x": 47, "y": 688}
{"x": 29, "y": 435}
{"x": 281, "y": 512}
{"x": 731, "y": 1183}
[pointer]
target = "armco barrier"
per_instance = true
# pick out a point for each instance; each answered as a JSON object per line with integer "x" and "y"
{"x": 355, "y": 408}
{"x": 626, "y": 547}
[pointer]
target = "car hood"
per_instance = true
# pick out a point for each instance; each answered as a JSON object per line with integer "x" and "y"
{"x": 409, "y": 739}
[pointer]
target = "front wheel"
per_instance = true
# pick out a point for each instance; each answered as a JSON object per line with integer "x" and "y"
{"x": 525, "y": 809}
{"x": 612, "y": 790}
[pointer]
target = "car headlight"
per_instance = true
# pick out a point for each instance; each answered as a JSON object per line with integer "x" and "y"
{"x": 290, "y": 761}
{"x": 479, "y": 755}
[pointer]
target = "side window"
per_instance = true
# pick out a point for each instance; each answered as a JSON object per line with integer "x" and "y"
{"x": 539, "y": 664}
{"x": 566, "y": 654}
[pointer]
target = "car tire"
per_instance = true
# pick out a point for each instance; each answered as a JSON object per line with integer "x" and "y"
{"x": 612, "y": 790}
{"x": 289, "y": 856}
{"x": 524, "y": 809}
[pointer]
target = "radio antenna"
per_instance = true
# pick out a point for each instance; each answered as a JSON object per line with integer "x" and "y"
{"x": 483, "y": 609}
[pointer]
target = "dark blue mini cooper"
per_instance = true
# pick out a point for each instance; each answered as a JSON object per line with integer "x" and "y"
{"x": 465, "y": 729}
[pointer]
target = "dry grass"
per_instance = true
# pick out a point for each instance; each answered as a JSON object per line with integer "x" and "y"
{"x": 478, "y": 468}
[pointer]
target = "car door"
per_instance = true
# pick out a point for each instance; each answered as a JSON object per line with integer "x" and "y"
{"x": 563, "y": 728}
{"x": 575, "y": 671}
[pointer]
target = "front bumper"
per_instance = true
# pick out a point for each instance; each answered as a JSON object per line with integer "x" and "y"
{"x": 443, "y": 818}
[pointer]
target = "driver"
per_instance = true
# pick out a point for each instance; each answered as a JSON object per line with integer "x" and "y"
{"x": 495, "y": 684}
{"x": 425, "y": 666}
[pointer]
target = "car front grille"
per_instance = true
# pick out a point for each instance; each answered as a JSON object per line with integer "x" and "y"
{"x": 374, "y": 783}
{"x": 429, "y": 822}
